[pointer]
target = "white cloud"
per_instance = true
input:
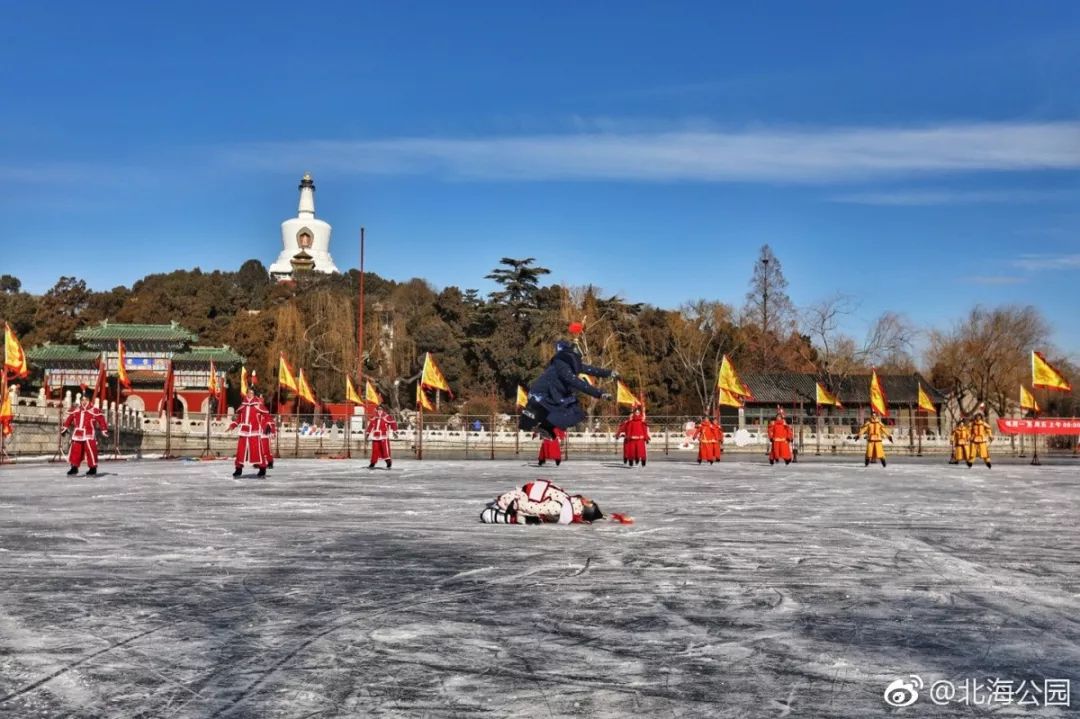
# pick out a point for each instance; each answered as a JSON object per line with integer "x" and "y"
{"x": 913, "y": 198}
{"x": 1036, "y": 262}
{"x": 701, "y": 155}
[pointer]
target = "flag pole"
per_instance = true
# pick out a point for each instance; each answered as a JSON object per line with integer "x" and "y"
{"x": 360, "y": 387}
{"x": 168, "y": 410}
{"x": 3, "y": 396}
{"x": 1035, "y": 435}
{"x": 420, "y": 426}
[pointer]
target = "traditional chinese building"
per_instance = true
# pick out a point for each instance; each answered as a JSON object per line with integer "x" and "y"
{"x": 148, "y": 350}
{"x": 795, "y": 392}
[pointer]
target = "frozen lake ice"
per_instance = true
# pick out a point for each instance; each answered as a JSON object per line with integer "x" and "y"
{"x": 169, "y": 589}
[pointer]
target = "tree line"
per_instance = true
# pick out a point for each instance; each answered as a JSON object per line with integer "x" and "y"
{"x": 487, "y": 345}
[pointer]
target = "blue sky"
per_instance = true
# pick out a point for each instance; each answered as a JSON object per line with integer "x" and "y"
{"x": 921, "y": 157}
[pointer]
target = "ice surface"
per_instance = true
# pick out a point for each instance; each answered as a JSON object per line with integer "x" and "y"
{"x": 169, "y": 589}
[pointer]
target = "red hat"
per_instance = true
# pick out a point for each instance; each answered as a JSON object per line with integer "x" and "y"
{"x": 576, "y": 328}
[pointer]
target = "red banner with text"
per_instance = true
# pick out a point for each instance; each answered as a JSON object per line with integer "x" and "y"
{"x": 1049, "y": 425}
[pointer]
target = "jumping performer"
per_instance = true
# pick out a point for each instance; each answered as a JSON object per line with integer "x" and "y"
{"x": 251, "y": 420}
{"x": 83, "y": 421}
{"x": 379, "y": 429}
{"x": 551, "y": 448}
{"x": 875, "y": 433}
{"x": 553, "y": 400}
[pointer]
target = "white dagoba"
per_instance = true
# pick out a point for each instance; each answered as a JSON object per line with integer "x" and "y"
{"x": 304, "y": 235}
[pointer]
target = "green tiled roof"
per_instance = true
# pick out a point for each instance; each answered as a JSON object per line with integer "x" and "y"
{"x": 57, "y": 353}
{"x": 222, "y": 356}
{"x": 113, "y": 331}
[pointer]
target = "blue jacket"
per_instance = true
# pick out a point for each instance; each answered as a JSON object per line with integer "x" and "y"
{"x": 557, "y": 385}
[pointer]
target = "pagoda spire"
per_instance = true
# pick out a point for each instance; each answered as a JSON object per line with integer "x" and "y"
{"x": 307, "y": 196}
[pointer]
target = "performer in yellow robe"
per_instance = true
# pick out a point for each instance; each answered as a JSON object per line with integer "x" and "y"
{"x": 961, "y": 443}
{"x": 875, "y": 433}
{"x": 981, "y": 437}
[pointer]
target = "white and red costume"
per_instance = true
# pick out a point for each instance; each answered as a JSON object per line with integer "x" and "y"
{"x": 542, "y": 501}
{"x": 636, "y": 435}
{"x": 552, "y": 448}
{"x": 251, "y": 420}
{"x": 378, "y": 431}
{"x": 84, "y": 423}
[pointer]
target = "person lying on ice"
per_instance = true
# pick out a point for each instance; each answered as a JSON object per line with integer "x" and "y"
{"x": 553, "y": 398}
{"x": 540, "y": 502}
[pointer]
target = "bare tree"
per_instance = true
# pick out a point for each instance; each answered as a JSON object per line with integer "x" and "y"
{"x": 887, "y": 345}
{"x": 985, "y": 356}
{"x": 768, "y": 309}
{"x": 702, "y": 332}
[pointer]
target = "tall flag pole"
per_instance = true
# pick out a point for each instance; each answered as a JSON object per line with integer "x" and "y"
{"x": 878, "y": 401}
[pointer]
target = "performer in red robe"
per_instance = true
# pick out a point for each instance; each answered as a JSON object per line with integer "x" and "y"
{"x": 379, "y": 429}
{"x": 780, "y": 439}
{"x": 707, "y": 435}
{"x": 552, "y": 448}
{"x": 251, "y": 419}
{"x": 83, "y": 421}
{"x": 635, "y": 432}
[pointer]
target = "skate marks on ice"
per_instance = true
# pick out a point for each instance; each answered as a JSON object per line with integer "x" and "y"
{"x": 742, "y": 591}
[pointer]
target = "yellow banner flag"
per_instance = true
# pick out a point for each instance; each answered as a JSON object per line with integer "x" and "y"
{"x": 303, "y": 389}
{"x": 925, "y": 402}
{"x": 623, "y": 395}
{"x": 1027, "y": 400}
{"x": 728, "y": 379}
{"x": 14, "y": 357}
{"x": 824, "y": 396}
{"x": 878, "y": 402}
{"x": 432, "y": 377}
{"x": 121, "y": 362}
{"x": 212, "y": 382}
{"x": 370, "y": 394}
{"x": 727, "y": 399}
{"x": 285, "y": 376}
{"x": 422, "y": 402}
{"x": 522, "y": 396}
{"x": 351, "y": 395}
{"x": 1045, "y": 376}
{"x": 6, "y": 415}
{"x": 244, "y": 381}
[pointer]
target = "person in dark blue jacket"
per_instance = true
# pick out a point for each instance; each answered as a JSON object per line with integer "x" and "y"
{"x": 553, "y": 398}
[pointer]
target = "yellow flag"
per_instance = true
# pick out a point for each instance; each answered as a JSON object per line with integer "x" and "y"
{"x": 285, "y": 376}
{"x": 1027, "y": 400}
{"x": 121, "y": 361}
{"x": 878, "y": 401}
{"x": 14, "y": 357}
{"x": 727, "y": 399}
{"x": 303, "y": 388}
{"x": 728, "y": 379}
{"x": 623, "y": 395}
{"x": 370, "y": 395}
{"x": 432, "y": 377}
{"x": 351, "y": 395}
{"x": 925, "y": 401}
{"x": 422, "y": 402}
{"x": 6, "y": 415}
{"x": 212, "y": 382}
{"x": 522, "y": 397}
{"x": 244, "y": 382}
{"x": 824, "y": 396}
{"x": 1045, "y": 376}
